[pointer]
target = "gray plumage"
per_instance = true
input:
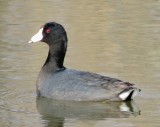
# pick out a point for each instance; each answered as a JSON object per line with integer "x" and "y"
{"x": 76, "y": 85}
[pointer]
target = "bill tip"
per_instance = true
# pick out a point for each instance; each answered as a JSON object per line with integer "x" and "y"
{"x": 30, "y": 42}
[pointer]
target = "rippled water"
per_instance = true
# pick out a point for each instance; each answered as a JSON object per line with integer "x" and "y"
{"x": 114, "y": 38}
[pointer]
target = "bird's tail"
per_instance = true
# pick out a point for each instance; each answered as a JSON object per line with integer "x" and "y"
{"x": 129, "y": 94}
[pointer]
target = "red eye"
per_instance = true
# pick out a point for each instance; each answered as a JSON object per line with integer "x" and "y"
{"x": 48, "y": 30}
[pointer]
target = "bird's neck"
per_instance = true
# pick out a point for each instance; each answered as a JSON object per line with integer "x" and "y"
{"x": 55, "y": 57}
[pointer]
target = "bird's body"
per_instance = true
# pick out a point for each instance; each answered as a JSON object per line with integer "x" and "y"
{"x": 80, "y": 86}
{"x": 58, "y": 82}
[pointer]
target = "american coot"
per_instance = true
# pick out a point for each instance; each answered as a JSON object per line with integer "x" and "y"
{"x": 58, "y": 82}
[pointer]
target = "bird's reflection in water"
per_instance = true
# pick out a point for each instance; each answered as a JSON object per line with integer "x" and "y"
{"x": 54, "y": 113}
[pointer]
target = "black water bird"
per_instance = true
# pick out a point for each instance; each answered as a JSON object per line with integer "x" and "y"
{"x": 58, "y": 82}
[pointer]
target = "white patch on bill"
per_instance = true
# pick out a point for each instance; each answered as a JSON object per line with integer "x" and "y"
{"x": 37, "y": 37}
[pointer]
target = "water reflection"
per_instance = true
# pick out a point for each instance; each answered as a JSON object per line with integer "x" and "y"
{"x": 115, "y": 38}
{"x": 56, "y": 113}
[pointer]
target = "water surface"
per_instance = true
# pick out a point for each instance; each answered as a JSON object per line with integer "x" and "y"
{"x": 114, "y": 38}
